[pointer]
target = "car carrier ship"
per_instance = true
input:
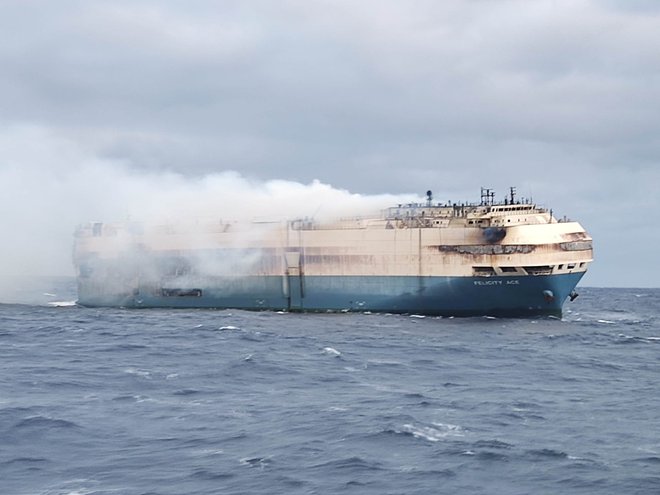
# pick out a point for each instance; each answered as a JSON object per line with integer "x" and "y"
{"x": 499, "y": 258}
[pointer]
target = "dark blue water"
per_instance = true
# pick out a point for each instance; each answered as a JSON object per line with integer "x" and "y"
{"x": 111, "y": 401}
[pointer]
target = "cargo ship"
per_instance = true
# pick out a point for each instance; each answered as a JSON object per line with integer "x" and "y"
{"x": 498, "y": 258}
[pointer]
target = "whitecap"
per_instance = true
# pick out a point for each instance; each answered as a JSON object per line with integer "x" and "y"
{"x": 434, "y": 433}
{"x": 229, "y": 327}
{"x": 449, "y": 427}
{"x": 417, "y": 316}
{"x": 606, "y": 322}
{"x": 331, "y": 351}
{"x": 142, "y": 373}
{"x": 61, "y": 304}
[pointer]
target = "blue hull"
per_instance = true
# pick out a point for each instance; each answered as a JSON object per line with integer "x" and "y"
{"x": 442, "y": 296}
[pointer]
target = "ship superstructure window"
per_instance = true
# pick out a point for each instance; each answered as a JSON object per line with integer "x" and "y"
{"x": 509, "y": 269}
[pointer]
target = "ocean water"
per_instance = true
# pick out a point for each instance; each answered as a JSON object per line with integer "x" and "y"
{"x": 112, "y": 401}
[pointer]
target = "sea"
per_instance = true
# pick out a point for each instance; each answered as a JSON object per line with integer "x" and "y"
{"x": 164, "y": 402}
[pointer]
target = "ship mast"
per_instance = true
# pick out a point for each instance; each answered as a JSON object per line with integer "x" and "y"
{"x": 487, "y": 197}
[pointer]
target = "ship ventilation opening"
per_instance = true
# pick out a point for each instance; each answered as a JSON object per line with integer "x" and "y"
{"x": 181, "y": 292}
{"x": 548, "y": 295}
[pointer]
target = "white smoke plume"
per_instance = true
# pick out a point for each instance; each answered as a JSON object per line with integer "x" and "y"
{"x": 50, "y": 184}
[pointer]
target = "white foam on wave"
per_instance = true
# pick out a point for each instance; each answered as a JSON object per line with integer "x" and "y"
{"x": 418, "y": 316}
{"x": 639, "y": 339}
{"x": 331, "y": 351}
{"x": 137, "y": 372}
{"x": 605, "y": 322}
{"x": 434, "y": 433}
{"x": 61, "y": 304}
{"x": 80, "y": 490}
{"x": 229, "y": 327}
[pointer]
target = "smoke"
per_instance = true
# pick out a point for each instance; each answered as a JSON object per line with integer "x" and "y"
{"x": 50, "y": 184}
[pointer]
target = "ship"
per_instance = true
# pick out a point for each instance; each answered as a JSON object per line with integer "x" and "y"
{"x": 509, "y": 258}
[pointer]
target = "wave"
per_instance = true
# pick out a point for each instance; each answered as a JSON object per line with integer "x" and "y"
{"x": 492, "y": 444}
{"x": 46, "y": 423}
{"x": 353, "y": 462}
{"x": 206, "y": 474}
{"x": 434, "y": 433}
{"x": 25, "y": 460}
{"x": 256, "y": 462}
{"x": 548, "y": 453}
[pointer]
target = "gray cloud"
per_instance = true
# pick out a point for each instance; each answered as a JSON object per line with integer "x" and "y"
{"x": 560, "y": 98}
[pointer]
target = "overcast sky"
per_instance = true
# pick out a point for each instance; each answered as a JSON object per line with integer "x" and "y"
{"x": 108, "y": 109}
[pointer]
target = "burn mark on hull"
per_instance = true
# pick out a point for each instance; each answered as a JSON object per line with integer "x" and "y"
{"x": 481, "y": 249}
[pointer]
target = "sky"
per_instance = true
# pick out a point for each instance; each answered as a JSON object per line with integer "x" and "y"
{"x": 122, "y": 109}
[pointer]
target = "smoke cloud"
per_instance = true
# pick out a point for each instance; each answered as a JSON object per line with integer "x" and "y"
{"x": 52, "y": 184}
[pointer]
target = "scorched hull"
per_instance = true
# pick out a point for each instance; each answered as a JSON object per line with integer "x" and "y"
{"x": 500, "y": 259}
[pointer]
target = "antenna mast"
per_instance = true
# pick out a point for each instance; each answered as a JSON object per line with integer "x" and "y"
{"x": 487, "y": 197}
